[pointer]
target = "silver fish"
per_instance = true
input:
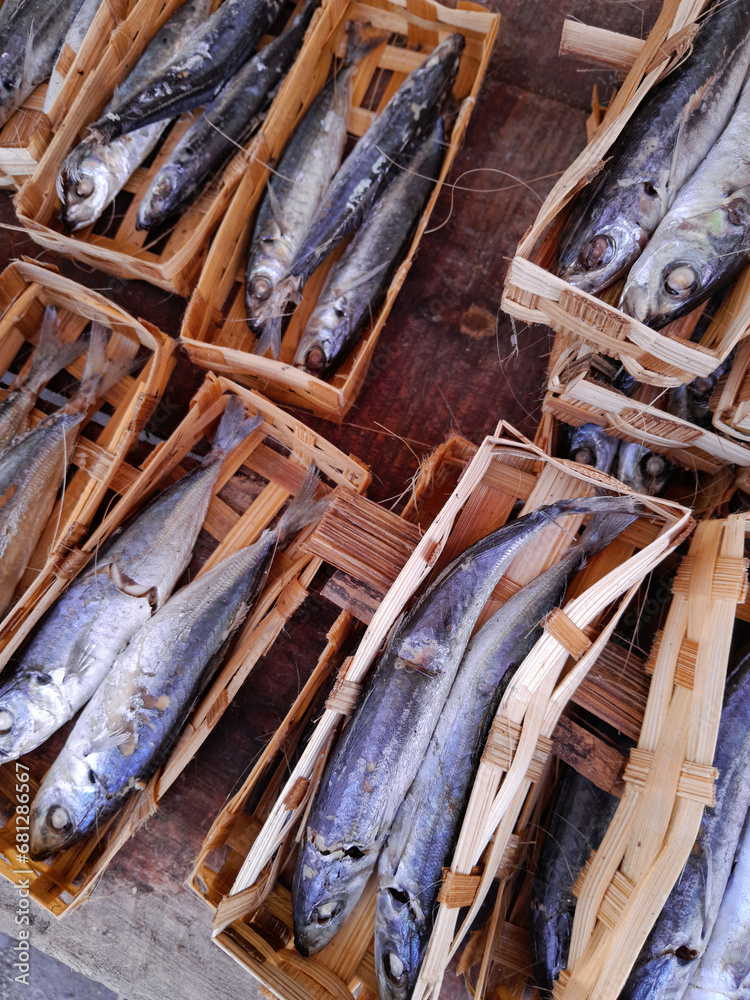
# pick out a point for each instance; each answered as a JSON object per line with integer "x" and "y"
{"x": 376, "y": 759}
{"x": 31, "y": 34}
{"x": 94, "y": 173}
{"x": 77, "y": 641}
{"x": 724, "y": 970}
{"x": 33, "y": 467}
{"x": 641, "y": 469}
{"x": 293, "y": 196}
{"x": 129, "y": 725}
{"x": 226, "y": 124}
{"x": 71, "y": 43}
{"x": 360, "y": 277}
{"x": 666, "y": 139}
{"x": 704, "y": 239}
{"x": 49, "y": 358}
{"x": 213, "y": 54}
{"x": 590, "y": 445}
{"x": 424, "y": 831}
{"x": 669, "y": 960}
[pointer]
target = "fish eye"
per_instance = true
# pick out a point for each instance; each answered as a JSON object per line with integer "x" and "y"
{"x": 394, "y": 969}
{"x": 6, "y": 721}
{"x": 655, "y": 465}
{"x": 681, "y": 281}
{"x": 326, "y": 912}
{"x": 597, "y": 252}
{"x": 84, "y": 187}
{"x": 58, "y": 818}
{"x": 261, "y": 288}
{"x": 584, "y": 456}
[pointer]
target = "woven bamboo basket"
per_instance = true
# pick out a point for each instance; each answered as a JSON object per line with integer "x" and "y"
{"x": 730, "y": 399}
{"x": 113, "y": 244}
{"x": 253, "y": 922}
{"x": 69, "y": 877}
{"x": 576, "y": 396}
{"x": 214, "y": 330}
{"x": 25, "y": 290}
{"x": 536, "y": 295}
{"x": 28, "y": 132}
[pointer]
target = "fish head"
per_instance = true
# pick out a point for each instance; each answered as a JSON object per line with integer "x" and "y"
{"x": 328, "y": 881}
{"x": 641, "y": 469}
{"x": 685, "y": 261}
{"x": 64, "y": 808}
{"x": 401, "y": 933}
{"x": 30, "y": 710}
{"x": 161, "y": 199}
{"x": 261, "y": 281}
{"x": 328, "y": 329}
{"x": 14, "y": 68}
{"x": 84, "y": 185}
{"x": 590, "y": 445}
{"x": 596, "y": 255}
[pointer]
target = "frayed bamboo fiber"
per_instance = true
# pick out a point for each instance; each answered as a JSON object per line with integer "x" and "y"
{"x": 68, "y": 880}
{"x": 214, "y": 329}
{"x": 532, "y": 293}
{"x": 599, "y": 45}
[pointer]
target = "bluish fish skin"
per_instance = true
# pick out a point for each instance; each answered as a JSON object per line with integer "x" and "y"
{"x": 77, "y": 641}
{"x": 31, "y": 35}
{"x": 704, "y": 239}
{"x": 129, "y": 725}
{"x": 359, "y": 279}
{"x": 666, "y": 139}
{"x": 669, "y": 960}
{"x": 590, "y": 445}
{"x": 421, "y": 839}
{"x": 212, "y": 55}
{"x": 225, "y": 125}
{"x": 409, "y": 116}
{"x": 582, "y": 813}
{"x": 375, "y": 760}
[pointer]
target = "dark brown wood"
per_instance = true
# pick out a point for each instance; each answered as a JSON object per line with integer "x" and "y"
{"x": 589, "y": 755}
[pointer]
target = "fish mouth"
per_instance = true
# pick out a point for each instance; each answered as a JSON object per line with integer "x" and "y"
{"x": 321, "y": 925}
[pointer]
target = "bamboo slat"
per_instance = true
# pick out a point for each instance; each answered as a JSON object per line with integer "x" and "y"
{"x": 26, "y": 289}
{"x": 214, "y": 329}
{"x": 532, "y": 707}
{"x": 173, "y": 259}
{"x": 534, "y": 294}
{"x": 70, "y": 877}
{"x": 28, "y": 132}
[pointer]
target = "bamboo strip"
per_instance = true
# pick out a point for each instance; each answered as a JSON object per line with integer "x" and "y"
{"x": 598, "y": 45}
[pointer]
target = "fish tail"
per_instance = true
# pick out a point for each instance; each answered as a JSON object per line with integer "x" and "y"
{"x": 234, "y": 427}
{"x": 602, "y": 529}
{"x": 597, "y": 504}
{"x": 101, "y": 372}
{"x": 304, "y": 509}
{"x": 362, "y": 39}
{"x": 270, "y": 339}
{"x": 51, "y": 356}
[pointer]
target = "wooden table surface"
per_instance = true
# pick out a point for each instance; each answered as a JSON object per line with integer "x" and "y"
{"x": 447, "y": 361}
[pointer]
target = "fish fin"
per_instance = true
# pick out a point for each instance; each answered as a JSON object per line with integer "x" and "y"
{"x": 103, "y": 741}
{"x": 276, "y": 210}
{"x": 51, "y": 356}
{"x": 28, "y": 59}
{"x": 365, "y": 277}
{"x": 82, "y": 656}
{"x": 270, "y": 339}
{"x": 127, "y": 585}
{"x": 304, "y": 509}
{"x": 235, "y": 426}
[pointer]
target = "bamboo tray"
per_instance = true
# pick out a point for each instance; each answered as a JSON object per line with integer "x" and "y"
{"x": 535, "y": 295}
{"x": 731, "y": 411}
{"x": 28, "y": 132}
{"x": 576, "y": 397}
{"x": 214, "y": 329}
{"x": 26, "y": 289}
{"x": 172, "y": 261}
{"x": 505, "y": 469}
{"x": 69, "y": 878}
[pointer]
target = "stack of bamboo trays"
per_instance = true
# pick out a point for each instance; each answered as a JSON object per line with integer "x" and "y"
{"x": 114, "y": 245}
{"x": 97, "y": 463}
{"x": 28, "y": 132}
{"x": 214, "y": 330}
{"x": 536, "y": 295}
{"x": 279, "y": 452}
{"x": 576, "y": 396}
{"x": 731, "y": 413}
{"x": 253, "y": 920}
